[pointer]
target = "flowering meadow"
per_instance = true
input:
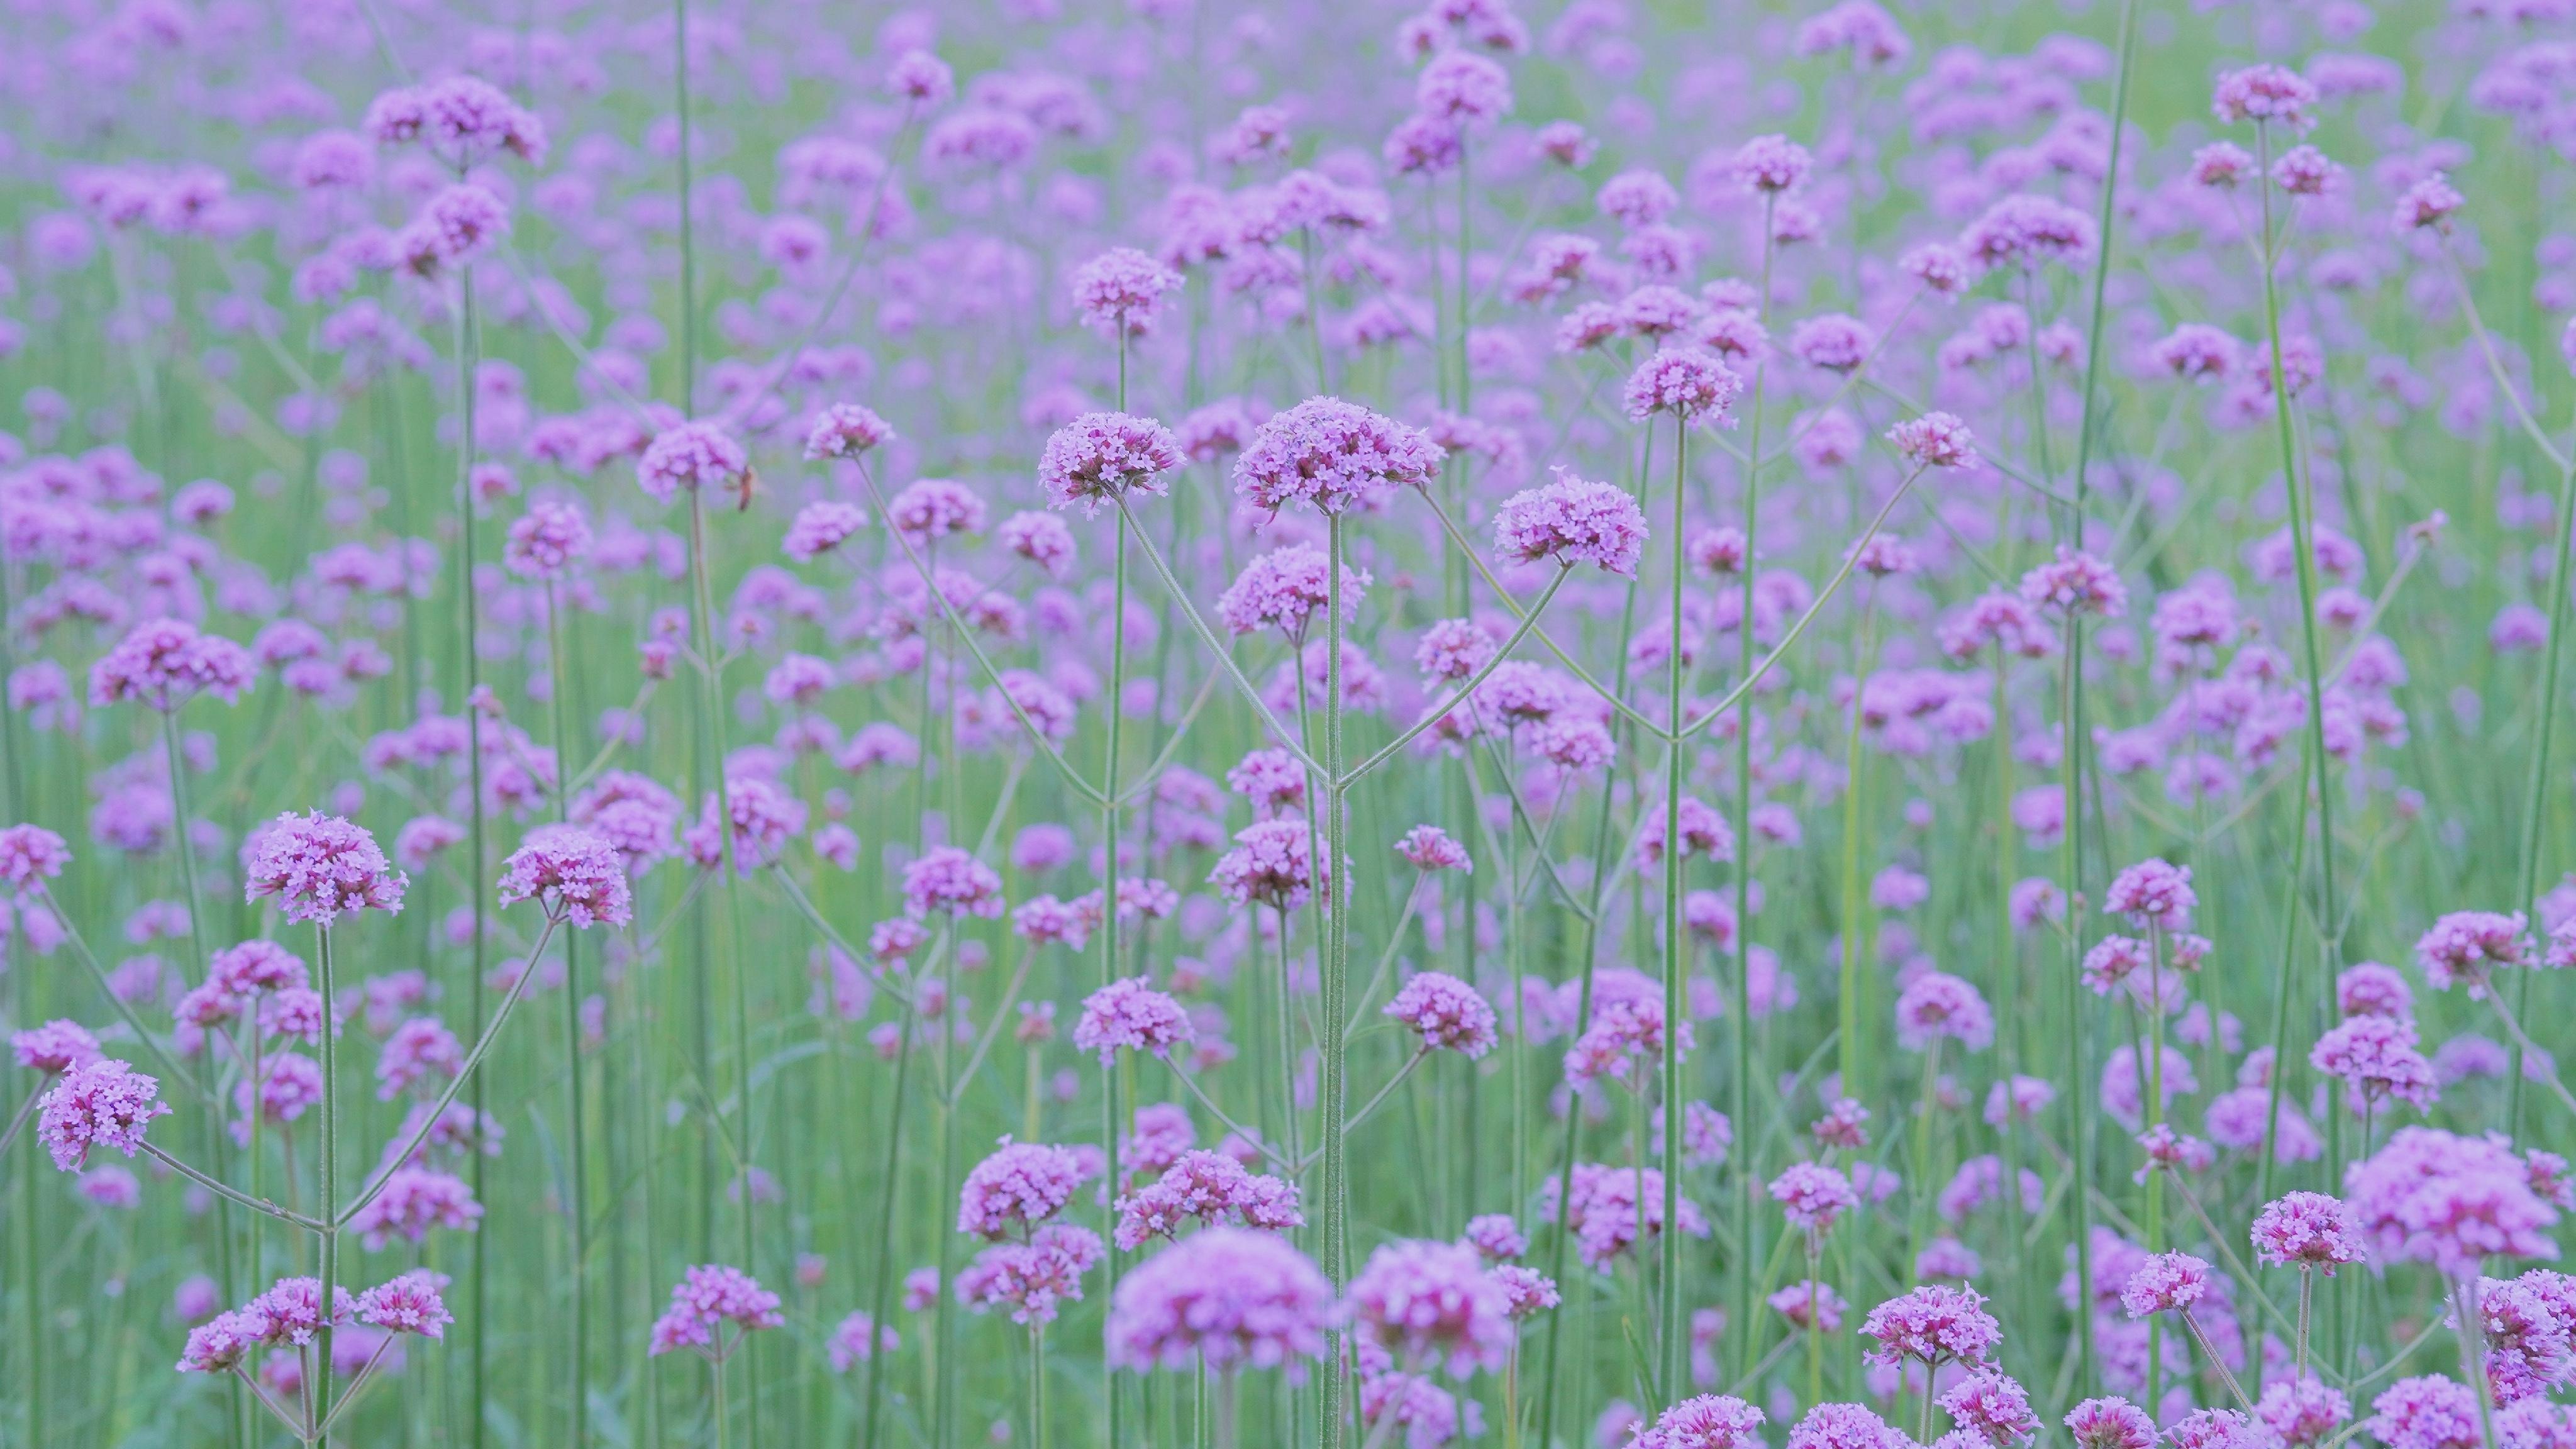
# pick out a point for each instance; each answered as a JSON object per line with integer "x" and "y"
{"x": 1147, "y": 722}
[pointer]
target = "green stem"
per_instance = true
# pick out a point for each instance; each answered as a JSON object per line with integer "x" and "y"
{"x": 1675, "y": 1336}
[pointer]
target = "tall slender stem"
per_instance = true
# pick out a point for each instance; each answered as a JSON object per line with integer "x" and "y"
{"x": 1669, "y": 1245}
{"x": 468, "y": 343}
{"x": 1748, "y": 1168}
{"x": 577, "y": 1212}
{"x": 1334, "y": 961}
{"x": 330, "y": 1245}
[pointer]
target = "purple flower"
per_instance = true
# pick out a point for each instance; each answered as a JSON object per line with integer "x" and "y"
{"x": 1031, "y": 1278}
{"x": 1573, "y": 520}
{"x": 1937, "y": 1004}
{"x": 2302, "y": 1411}
{"x": 1331, "y": 455}
{"x": 2265, "y": 93}
{"x": 2464, "y": 946}
{"x": 1935, "y": 440}
{"x": 857, "y": 1338}
{"x": 410, "y": 1303}
{"x": 1122, "y": 288}
{"x": 2376, "y": 1057}
{"x": 319, "y": 866}
{"x": 1495, "y": 1237}
{"x": 1846, "y": 1426}
{"x": 29, "y": 853}
{"x": 1430, "y": 848}
{"x": 1287, "y": 589}
{"x": 2110, "y": 1423}
{"x": 2076, "y": 583}
{"x": 949, "y": 879}
{"x": 2163, "y": 1283}
{"x": 2153, "y": 892}
{"x": 55, "y": 1047}
{"x": 2432, "y": 1197}
{"x": 1446, "y": 1013}
{"x": 103, "y": 1103}
{"x": 693, "y": 455}
{"x": 1228, "y": 1297}
{"x": 547, "y": 541}
{"x": 846, "y": 430}
{"x": 413, "y": 1201}
{"x": 164, "y": 663}
{"x": 1993, "y": 1407}
{"x": 2426, "y": 1412}
{"x": 1212, "y": 1188}
{"x": 1770, "y": 165}
{"x": 2216, "y": 1429}
{"x": 572, "y": 874}
{"x": 706, "y": 1299}
{"x": 1430, "y": 1304}
{"x": 1688, "y": 382}
{"x": 1813, "y": 1195}
{"x": 1100, "y": 458}
{"x": 1021, "y": 1184}
{"x": 1710, "y": 1421}
{"x": 1932, "y": 1325}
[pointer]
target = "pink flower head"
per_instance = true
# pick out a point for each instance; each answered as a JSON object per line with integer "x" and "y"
{"x": 2371, "y": 989}
{"x": 1495, "y": 1237}
{"x": 164, "y": 663}
{"x": 2307, "y": 1230}
{"x": 1287, "y": 589}
{"x": 846, "y": 430}
{"x": 2426, "y": 1412}
{"x": 691, "y": 455}
{"x": 2076, "y": 583}
{"x": 857, "y": 1339}
{"x": 572, "y": 874}
{"x": 2026, "y": 231}
{"x": 1099, "y": 458}
{"x": 1432, "y": 1303}
{"x": 1932, "y": 1325}
{"x": 2110, "y": 1423}
{"x": 820, "y": 527}
{"x": 2430, "y": 1196}
{"x": 1704, "y": 833}
{"x": 1846, "y": 1426}
{"x": 413, "y": 1201}
{"x": 1032, "y": 1278}
{"x": 2376, "y": 1057}
{"x": 1020, "y": 1185}
{"x": 2165, "y": 1282}
{"x": 948, "y": 878}
{"x": 1936, "y": 1005}
{"x": 319, "y": 866}
{"x": 1573, "y": 520}
{"x": 29, "y": 853}
{"x": 1935, "y": 440}
{"x": 547, "y": 541}
{"x": 1430, "y": 848}
{"x": 460, "y": 119}
{"x": 1331, "y": 455}
{"x": 707, "y": 1299}
{"x": 2302, "y": 1411}
{"x": 1770, "y": 165}
{"x": 2463, "y": 946}
{"x": 1710, "y": 1421}
{"x": 2216, "y": 1429}
{"x": 1990, "y": 1405}
{"x": 1122, "y": 288}
{"x": 1447, "y": 1013}
{"x": 2535, "y": 1423}
{"x": 1210, "y": 1187}
{"x": 1813, "y": 1195}
{"x": 2153, "y": 892}
{"x": 55, "y": 1047}
{"x": 1688, "y": 382}
{"x": 1271, "y": 864}
{"x": 1612, "y": 1208}
{"x": 1131, "y": 1013}
{"x": 1227, "y": 1297}
{"x": 102, "y": 1103}
{"x": 2265, "y": 93}
{"x": 1809, "y": 1304}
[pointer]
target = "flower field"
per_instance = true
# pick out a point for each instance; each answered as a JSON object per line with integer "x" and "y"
{"x": 1148, "y": 722}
